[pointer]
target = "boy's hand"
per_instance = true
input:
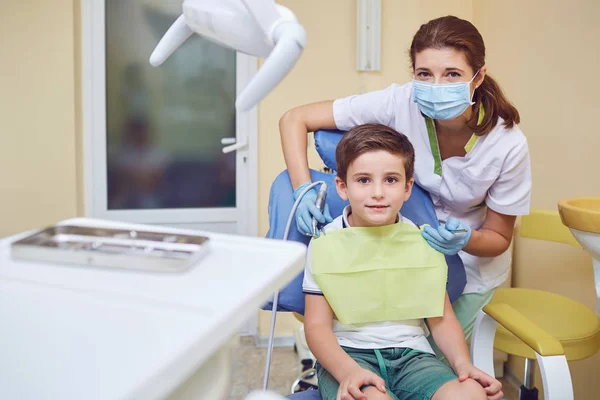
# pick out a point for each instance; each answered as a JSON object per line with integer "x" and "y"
{"x": 493, "y": 388}
{"x": 357, "y": 378}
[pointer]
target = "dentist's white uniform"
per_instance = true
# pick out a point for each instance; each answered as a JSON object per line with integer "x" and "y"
{"x": 495, "y": 172}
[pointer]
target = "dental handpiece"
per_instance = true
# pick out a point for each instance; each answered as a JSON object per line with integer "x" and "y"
{"x": 320, "y": 204}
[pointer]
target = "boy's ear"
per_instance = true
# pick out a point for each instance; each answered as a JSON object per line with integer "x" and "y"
{"x": 409, "y": 186}
{"x": 341, "y": 188}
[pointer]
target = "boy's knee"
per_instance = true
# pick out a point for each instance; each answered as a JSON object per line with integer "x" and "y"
{"x": 374, "y": 394}
{"x": 473, "y": 390}
{"x": 467, "y": 390}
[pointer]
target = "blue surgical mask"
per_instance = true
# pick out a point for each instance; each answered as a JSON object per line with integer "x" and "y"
{"x": 442, "y": 100}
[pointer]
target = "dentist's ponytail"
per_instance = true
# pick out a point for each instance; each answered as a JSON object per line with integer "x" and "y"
{"x": 495, "y": 105}
{"x": 461, "y": 35}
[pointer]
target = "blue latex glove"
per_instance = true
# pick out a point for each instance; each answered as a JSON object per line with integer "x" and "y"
{"x": 444, "y": 240}
{"x": 307, "y": 210}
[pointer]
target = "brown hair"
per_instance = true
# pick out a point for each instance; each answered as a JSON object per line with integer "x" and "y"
{"x": 461, "y": 35}
{"x": 372, "y": 137}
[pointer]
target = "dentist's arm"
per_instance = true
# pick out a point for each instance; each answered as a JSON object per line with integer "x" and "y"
{"x": 494, "y": 237}
{"x": 294, "y": 126}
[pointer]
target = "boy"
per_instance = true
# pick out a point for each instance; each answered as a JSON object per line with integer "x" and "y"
{"x": 375, "y": 174}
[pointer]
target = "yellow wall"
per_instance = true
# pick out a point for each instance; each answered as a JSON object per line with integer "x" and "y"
{"x": 327, "y": 70}
{"x": 37, "y": 114}
{"x": 543, "y": 54}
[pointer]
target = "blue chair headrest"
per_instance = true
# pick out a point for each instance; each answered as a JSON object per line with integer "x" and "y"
{"x": 326, "y": 142}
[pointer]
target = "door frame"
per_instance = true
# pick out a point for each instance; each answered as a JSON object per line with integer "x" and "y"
{"x": 94, "y": 141}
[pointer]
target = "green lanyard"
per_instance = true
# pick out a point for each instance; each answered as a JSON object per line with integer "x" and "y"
{"x": 382, "y": 368}
{"x": 435, "y": 147}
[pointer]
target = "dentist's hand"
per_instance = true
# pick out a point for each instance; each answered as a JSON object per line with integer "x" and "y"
{"x": 444, "y": 240}
{"x": 307, "y": 210}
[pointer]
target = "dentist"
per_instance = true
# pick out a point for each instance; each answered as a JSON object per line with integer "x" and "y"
{"x": 470, "y": 154}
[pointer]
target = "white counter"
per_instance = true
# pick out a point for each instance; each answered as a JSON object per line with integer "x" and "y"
{"x": 88, "y": 333}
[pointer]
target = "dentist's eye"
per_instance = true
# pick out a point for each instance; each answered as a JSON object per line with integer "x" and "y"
{"x": 423, "y": 76}
{"x": 454, "y": 75}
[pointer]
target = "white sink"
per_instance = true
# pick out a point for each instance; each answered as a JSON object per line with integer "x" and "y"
{"x": 582, "y": 216}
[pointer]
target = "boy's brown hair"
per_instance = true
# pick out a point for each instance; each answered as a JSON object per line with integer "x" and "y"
{"x": 372, "y": 137}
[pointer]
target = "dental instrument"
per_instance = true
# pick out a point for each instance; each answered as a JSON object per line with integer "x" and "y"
{"x": 258, "y": 28}
{"x": 320, "y": 204}
{"x": 276, "y": 296}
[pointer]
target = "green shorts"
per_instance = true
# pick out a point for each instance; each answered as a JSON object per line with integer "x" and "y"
{"x": 408, "y": 374}
{"x": 466, "y": 308}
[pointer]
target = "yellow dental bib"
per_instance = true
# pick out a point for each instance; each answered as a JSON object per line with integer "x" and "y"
{"x": 385, "y": 273}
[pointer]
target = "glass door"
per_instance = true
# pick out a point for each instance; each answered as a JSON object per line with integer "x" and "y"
{"x": 156, "y": 135}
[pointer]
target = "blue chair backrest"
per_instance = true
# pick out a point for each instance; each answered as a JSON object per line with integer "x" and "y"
{"x": 419, "y": 209}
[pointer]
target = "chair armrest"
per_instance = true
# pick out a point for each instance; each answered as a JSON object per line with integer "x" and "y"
{"x": 516, "y": 323}
{"x": 549, "y": 352}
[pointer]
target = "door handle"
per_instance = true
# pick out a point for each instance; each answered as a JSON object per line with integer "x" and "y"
{"x": 235, "y": 147}
{"x": 228, "y": 140}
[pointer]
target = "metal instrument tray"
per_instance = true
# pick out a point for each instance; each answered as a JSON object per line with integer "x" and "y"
{"x": 113, "y": 248}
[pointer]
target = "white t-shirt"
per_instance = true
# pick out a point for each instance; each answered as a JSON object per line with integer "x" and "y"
{"x": 495, "y": 172}
{"x": 409, "y": 333}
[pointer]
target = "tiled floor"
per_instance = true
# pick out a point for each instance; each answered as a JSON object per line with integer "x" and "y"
{"x": 249, "y": 368}
{"x": 250, "y": 364}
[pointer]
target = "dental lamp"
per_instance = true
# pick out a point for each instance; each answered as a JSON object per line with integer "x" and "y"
{"x": 258, "y": 28}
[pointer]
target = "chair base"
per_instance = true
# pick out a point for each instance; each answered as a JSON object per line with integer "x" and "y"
{"x": 528, "y": 394}
{"x": 306, "y": 381}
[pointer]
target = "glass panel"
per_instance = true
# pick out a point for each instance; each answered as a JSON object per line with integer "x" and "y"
{"x": 165, "y": 124}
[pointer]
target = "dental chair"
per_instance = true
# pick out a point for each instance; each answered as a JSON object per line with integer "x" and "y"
{"x": 419, "y": 208}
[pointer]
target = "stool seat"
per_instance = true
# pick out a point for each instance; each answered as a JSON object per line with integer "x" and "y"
{"x": 574, "y": 325}
{"x": 299, "y": 317}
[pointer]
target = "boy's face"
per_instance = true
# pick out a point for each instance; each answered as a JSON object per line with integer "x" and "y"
{"x": 376, "y": 187}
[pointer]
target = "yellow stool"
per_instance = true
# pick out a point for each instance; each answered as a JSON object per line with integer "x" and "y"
{"x": 299, "y": 317}
{"x": 548, "y": 327}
